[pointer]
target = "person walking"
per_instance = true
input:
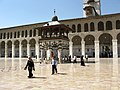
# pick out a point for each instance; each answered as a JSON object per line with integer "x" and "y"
{"x": 82, "y": 61}
{"x": 54, "y": 65}
{"x": 30, "y": 65}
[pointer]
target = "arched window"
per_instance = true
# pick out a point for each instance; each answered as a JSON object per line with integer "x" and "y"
{"x": 30, "y": 33}
{"x": 14, "y": 34}
{"x": 22, "y": 33}
{"x": 34, "y": 32}
{"x": 18, "y": 34}
{"x": 7, "y": 35}
{"x": 100, "y": 26}
{"x": 79, "y": 27}
{"x": 1, "y": 36}
{"x": 74, "y": 28}
{"x": 108, "y": 25}
{"x": 86, "y": 27}
{"x": 118, "y": 24}
{"x": 92, "y": 27}
{"x": 26, "y": 33}
{"x": 11, "y": 35}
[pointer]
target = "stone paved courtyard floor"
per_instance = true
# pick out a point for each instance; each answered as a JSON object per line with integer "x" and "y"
{"x": 104, "y": 74}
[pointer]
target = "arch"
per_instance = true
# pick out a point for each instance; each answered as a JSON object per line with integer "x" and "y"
{"x": 22, "y": 33}
{"x": 2, "y": 49}
{"x": 11, "y": 35}
{"x": 34, "y": 32}
{"x": 8, "y": 35}
{"x": 4, "y": 37}
{"x": 105, "y": 41}
{"x": 26, "y": 33}
{"x": 74, "y": 28}
{"x": 118, "y": 42}
{"x": 100, "y": 26}
{"x": 18, "y": 34}
{"x": 30, "y": 33}
{"x": 118, "y": 24}
{"x": 108, "y": 25}
{"x": 32, "y": 47}
{"x": 9, "y": 48}
{"x": 89, "y": 45}
{"x": 92, "y": 27}
{"x": 16, "y": 43}
{"x": 79, "y": 28}
{"x": 77, "y": 46}
{"x": 86, "y": 27}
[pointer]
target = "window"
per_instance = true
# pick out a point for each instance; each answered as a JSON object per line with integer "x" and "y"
{"x": 26, "y": 33}
{"x": 118, "y": 24}
{"x": 79, "y": 27}
{"x": 11, "y": 35}
{"x": 74, "y": 28}
{"x": 7, "y": 35}
{"x": 92, "y": 28}
{"x": 85, "y": 27}
{"x": 18, "y": 34}
{"x": 100, "y": 26}
{"x": 4, "y": 36}
{"x": 22, "y": 33}
{"x": 30, "y": 33}
{"x": 108, "y": 25}
{"x": 34, "y": 33}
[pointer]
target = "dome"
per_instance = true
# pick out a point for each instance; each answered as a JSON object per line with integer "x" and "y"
{"x": 54, "y": 18}
{"x": 90, "y": 1}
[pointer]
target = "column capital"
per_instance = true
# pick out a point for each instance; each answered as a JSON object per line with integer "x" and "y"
{"x": 114, "y": 40}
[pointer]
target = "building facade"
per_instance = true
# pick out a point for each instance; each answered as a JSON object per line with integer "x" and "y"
{"x": 96, "y": 35}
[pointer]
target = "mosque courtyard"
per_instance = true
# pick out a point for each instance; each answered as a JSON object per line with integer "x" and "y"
{"x": 104, "y": 74}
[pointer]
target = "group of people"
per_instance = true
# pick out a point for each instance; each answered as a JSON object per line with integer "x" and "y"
{"x": 30, "y": 65}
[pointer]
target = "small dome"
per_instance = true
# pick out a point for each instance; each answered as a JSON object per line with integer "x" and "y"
{"x": 90, "y": 1}
{"x": 54, "y": 18}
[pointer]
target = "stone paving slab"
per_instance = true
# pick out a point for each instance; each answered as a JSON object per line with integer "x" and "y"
{"x": 102, "y": 75}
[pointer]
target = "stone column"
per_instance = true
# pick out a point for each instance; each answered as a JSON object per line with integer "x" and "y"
{"x": 115, "y": 51}
{"x": 48, "y": 54}
{"x": 13, "y": 50}
{"x": 83, "y": 47}
{"x": 28, "y": 49}
{"x": 37, "y": 50}
{"x": 20, "y": 50}
{"x": 6, "y": 49}
{"x": 96, "y": 49}
{"x": 59, "y": 55}
{"x": 71, "y": 49}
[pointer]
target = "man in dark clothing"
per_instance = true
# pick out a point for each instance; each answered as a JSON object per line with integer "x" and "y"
{"x": 30, "y": 65}
{"x": 54, "y": 65}
{"x": 82, "y": 61}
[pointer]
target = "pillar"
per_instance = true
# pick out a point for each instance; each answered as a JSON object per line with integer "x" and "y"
{"x": 83, "y": 47}
{"x": 96, "y": 49}
{"x": 48, "y": 54}
{"x": 115, "y": 51}
{"x": 59, "y": 55}
{"x": 71, "y": 49}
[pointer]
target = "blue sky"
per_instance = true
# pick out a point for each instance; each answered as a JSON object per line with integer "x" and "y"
{"x": 23, "y": 12}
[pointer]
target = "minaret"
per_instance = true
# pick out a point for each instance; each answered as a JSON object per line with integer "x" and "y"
{"x": 91, "y": 8}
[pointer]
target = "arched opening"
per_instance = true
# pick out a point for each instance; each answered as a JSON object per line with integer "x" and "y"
{"x": 32, "y": 47}
{"x": 9, "y": 49}
{"x": 118, "y": 42}
{"x": 108, "y": 25}
{"x": 74, "y": 28}
{"x": 105, "y": 41}
{"x": 2, "y": 49}
{"x": 16, "y": 43}
{"x": 86, "y": 27}
{"x": 77, "y": 46}
{"x": 92, "y": 27}
{"x": 100, "y": 26}
{"x": 118, "y": 24}
{"x": 24, "y": 48}
{"x": 79, "y": 28}
{"x": 89, "y": 46}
